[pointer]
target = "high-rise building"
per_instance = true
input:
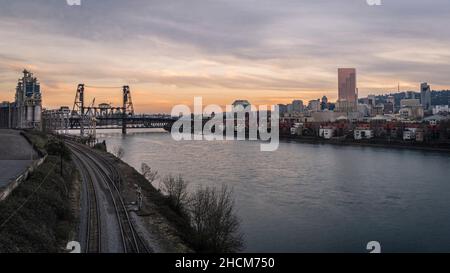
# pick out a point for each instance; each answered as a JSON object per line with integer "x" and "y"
{"x": 297, "y": 106}
{"x": 28, "y": 102}
{"x": 425, "y": 96}
{"x": 348, "y": 92}
{"x": 324, "y": 103}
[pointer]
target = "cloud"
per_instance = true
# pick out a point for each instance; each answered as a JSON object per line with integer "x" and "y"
{"x": 182, "y": 48}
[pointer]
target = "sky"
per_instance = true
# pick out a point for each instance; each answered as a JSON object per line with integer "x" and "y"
{"x": 265, "y": 51}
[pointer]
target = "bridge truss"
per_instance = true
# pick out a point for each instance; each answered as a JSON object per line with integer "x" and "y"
{"x": 89, "y": 118}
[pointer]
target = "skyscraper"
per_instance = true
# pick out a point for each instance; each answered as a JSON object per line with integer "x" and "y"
{"x": 297, "y": 106}
{"x": 425, "y": 96}
{"x": 324, "y": 103}
{"x": 348, "y": 93}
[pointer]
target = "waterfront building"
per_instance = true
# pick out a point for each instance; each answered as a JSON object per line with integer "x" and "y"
{"x": 362, "y": 133}
{"x": 326, "y": 132}
{"x": 413, "y": 133}
{"x": 297, "y": 129}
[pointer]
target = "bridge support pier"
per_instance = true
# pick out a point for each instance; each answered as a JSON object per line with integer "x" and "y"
{"x": 124, "y": 126}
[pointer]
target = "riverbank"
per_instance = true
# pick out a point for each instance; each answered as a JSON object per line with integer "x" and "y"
{"x": 370, "y": 143}
{"x": 41, "y": 214}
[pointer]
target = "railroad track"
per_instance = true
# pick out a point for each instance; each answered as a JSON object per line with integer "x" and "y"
{"x": 131, "y": 241}
{"x": 93, "y": 227}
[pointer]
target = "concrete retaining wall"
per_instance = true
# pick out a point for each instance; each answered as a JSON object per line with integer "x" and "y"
{"x": 6, "y": 191}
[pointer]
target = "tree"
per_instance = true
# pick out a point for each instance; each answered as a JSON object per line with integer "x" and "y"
{"x": 57, "y": 147}
{"x": 148, "y": 173}
{"x": 176, "y": 190}
{"x": 214, "y": 223}
{"x": 119, "y": 152}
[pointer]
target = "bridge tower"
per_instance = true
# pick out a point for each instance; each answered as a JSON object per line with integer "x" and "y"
{"x": 78, "y": 106}
{"x": 127, "y": 108}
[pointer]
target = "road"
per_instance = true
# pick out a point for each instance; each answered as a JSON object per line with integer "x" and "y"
{"x": 16, "y": 155}
{"x": 105, "y": 225}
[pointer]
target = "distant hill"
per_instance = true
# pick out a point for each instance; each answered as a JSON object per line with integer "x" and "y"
{"x": 437, "y": 97}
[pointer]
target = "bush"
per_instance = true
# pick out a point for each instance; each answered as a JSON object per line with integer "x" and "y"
{"x": 58, "y": 148}
{"x": 119, "y": 152}
{"x": 100, "y": 146}
{"x": 176, "y": 190}
{"x": 214, "y": 223}
{"x": 148, "y": 173}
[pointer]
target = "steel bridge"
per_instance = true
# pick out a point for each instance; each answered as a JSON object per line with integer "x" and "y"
{"x": 89, "y": 118}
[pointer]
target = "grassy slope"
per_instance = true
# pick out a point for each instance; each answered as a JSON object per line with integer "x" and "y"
{"x": 46, "y": 222}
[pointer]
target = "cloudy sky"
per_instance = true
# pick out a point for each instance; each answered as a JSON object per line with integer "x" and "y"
{"x": 266, "y": 51}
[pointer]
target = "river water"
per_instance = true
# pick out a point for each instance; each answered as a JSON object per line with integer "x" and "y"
{"x": 313, "y": 198}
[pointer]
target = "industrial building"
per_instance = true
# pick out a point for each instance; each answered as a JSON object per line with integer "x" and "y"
{"x": 26, "y": 111}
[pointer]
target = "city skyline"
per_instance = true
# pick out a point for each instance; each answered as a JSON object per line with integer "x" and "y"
{"x": 221, "y": 50}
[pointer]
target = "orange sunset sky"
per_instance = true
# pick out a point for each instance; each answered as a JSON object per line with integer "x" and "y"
{"x": 265, "y": 51}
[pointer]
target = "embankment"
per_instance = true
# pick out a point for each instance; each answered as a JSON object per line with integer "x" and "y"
{"x": 41, "y": 214}
{"x": 437, "y": 147}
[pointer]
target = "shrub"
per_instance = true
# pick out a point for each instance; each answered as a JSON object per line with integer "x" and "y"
{"x": 148, "y": 173}
{"x": 176, "y": 190}
{"x": 213, "y": 221}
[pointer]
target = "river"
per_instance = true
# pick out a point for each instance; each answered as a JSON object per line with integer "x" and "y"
{"x": 312, "y": 197}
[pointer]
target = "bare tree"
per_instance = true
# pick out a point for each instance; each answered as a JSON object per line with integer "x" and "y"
{"x": 119, "y": 152}
{"x": 148, "y": 173}
{"x": 176, "y": 190}
{"x": 215, "y": 225}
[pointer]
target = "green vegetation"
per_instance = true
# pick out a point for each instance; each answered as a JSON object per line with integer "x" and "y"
{"x": 37, "y": 216}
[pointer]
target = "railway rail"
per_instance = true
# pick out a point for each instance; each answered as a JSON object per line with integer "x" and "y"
{"x": 108, "y": 174}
